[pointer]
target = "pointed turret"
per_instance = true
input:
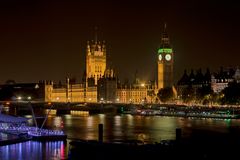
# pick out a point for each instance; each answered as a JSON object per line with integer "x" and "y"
{"x": 96, "y": 37}
{"x": 185, "y": 79}
{"x": 88, "y": 48}
{"x": 165, "y": 42}
{"x": 237, "y": 75}
{"x": 207, "y": 76}
{"x": 192, "y": 77}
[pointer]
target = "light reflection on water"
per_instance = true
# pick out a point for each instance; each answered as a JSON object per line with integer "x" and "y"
{"x": 126, "y": 127}
{"x": 149, "y": 129}
{"x": 4, "y": 136}
{"x": 34, "y": 150}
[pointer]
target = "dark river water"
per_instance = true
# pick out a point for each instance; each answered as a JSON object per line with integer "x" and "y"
{"x": 149, "y": 129}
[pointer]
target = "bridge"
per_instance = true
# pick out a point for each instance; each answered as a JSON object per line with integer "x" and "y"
{"x": 42, "y": 107}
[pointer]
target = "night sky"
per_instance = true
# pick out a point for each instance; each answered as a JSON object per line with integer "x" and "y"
{"x": 46, "y": 40}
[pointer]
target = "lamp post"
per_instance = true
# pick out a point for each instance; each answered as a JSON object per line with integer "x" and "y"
{"x": 46, "y": 117}
{"x": 19, "y": 99}
{"x": 101, "y": 99}
{"x": 29, "y": 98}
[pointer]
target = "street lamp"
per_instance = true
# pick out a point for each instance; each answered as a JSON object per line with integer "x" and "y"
{"x": 29, "y": 98}
{"x": 19, "y": 98}
{"x": 130, "y": 100}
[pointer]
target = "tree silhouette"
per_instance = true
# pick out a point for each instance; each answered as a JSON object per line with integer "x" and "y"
{"x": 188, "y": 94}
{"x": 165, "y": 94}
{"x": 231, "y": 94}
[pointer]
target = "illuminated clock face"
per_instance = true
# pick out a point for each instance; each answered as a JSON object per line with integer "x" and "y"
{"x": 168, "y": 57}
{"x": 160, "y": 57}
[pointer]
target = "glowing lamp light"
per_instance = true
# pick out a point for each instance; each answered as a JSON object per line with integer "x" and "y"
{"x": 142, "y": 85}
{"x": 19, "y": 97}
{"x": 29, "y": 97}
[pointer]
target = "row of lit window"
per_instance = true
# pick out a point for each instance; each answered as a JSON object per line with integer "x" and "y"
{"x": 98, "y": 69}
{"x": 133, "y": 94}
{"x": 132, "y": 100}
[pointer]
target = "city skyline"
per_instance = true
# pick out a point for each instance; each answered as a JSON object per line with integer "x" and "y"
{"x": 47, "y": 40}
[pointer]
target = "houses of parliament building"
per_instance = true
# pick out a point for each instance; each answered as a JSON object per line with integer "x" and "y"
{"x": 100, "y": 83}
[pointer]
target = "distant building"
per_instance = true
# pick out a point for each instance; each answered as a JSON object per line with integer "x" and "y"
{"x": 220, "y": 80}
{"x": 193, "y": 80}
{"x": 137, "y": 93}
{"x": 217, "y": 80}
{"x": 22, "y": 91}
{"x": 70, "y": 92}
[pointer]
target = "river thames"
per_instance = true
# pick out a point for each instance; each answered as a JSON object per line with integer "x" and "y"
{"x": 149, "y": 129}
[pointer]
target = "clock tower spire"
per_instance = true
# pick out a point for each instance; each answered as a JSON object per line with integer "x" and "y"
{"x": 165, "y": 61}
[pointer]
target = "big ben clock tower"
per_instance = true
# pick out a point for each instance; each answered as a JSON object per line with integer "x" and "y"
{"x": 165, "y": 62}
